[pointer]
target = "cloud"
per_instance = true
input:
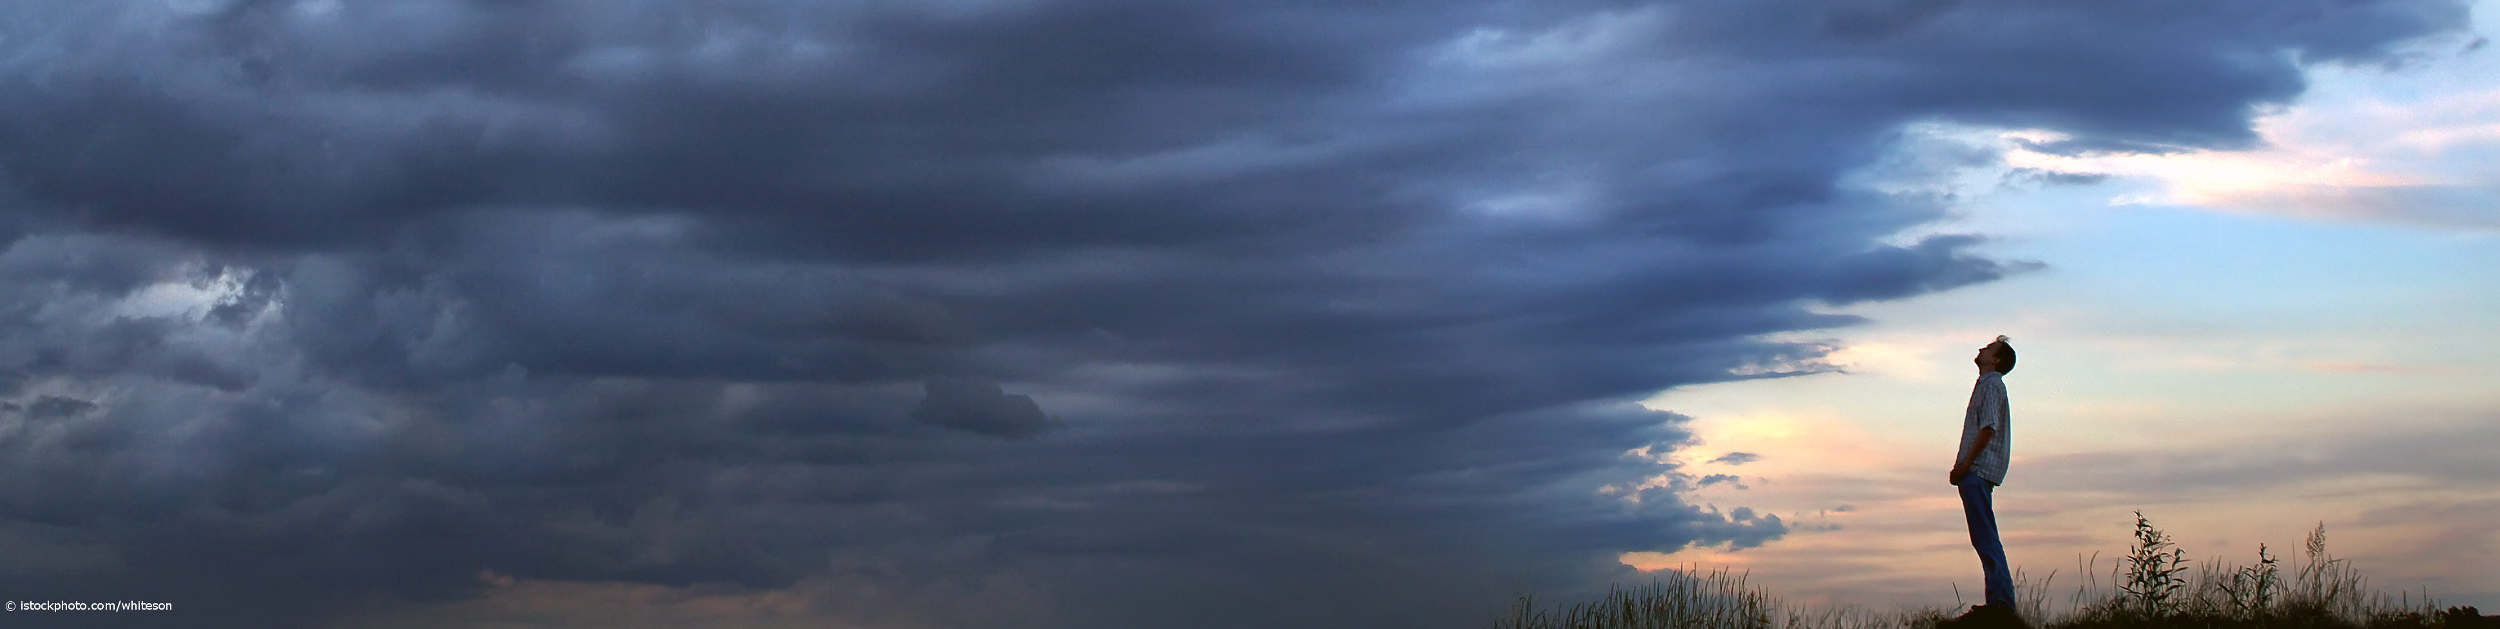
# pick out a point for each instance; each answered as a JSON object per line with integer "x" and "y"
{"x": 2434, "y": 452}
{"x": 2037, "y": 176}
{"x": 599, "y": 296}
{"x": 980, "y": 407}
{"x": 1737, "y": 458}
{"x": 56, "y": 407}
{"x": 2369, "y": 144}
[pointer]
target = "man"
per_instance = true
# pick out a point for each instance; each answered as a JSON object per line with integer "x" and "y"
{"x": 1978, "y": 467}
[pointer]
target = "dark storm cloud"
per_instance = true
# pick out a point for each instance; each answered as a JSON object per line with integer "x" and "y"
{"x": 980, "y": 407}
{"x": 1273, "y": 302}
{"x": 54, "y": 406}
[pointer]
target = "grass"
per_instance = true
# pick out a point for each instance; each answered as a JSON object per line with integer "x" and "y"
{"x": 2153, "y": 585}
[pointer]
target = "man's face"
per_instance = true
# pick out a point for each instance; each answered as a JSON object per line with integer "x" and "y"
{"x": 1987, "y": 358}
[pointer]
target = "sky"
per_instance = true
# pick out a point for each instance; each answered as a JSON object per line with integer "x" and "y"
{"x": 2241, "y": 344}
{"x": 1092, "y": 313}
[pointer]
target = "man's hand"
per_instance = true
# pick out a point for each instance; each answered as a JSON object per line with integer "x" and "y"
{"x": 1956, "y": 475}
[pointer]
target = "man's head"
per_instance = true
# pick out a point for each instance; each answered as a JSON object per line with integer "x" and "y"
{"x": 1997, "y": 356}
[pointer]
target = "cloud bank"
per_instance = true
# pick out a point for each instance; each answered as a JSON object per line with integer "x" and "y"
{"x": 1047, "y": 313}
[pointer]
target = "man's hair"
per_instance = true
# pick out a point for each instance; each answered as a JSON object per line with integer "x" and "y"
{"x": 2005, "y": 358}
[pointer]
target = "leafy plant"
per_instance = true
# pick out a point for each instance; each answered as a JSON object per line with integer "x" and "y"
{"x": 2150, "y": 585}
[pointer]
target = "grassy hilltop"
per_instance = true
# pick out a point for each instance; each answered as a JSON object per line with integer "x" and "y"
{"x": 2152, "y": 586}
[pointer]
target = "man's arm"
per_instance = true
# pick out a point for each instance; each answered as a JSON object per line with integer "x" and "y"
{"x": 1961, "y": 466}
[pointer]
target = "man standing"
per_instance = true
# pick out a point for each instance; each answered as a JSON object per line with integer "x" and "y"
{"x": 1978, "y": 467}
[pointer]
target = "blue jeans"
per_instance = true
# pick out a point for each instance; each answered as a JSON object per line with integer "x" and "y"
{"x": 1979, "y": 508}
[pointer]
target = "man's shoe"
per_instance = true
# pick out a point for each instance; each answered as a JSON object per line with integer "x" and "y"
{"x": 1986, "y": 616}
{"x": 1976, "y": 614}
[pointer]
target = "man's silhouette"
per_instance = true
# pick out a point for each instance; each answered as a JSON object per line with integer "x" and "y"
{"x": 1978, "y": 467}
